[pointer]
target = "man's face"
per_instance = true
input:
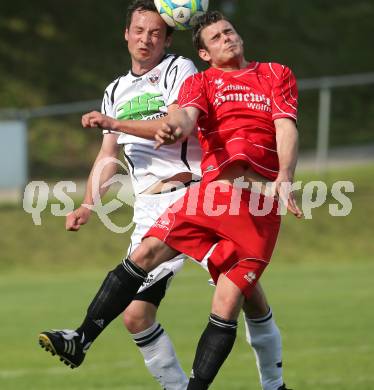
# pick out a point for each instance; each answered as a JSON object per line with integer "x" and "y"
{"x": 223, "y": 44}
{"x": 146, "y": 37}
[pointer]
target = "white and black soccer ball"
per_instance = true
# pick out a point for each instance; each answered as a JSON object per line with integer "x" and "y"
{"x": 180, "y": 14}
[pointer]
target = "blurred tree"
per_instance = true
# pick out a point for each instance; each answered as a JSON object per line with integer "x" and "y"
{"x": 60, "y": 51}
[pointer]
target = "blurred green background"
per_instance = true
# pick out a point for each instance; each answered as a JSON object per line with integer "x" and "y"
{"x": 65, "y": 51}
{"x": 320, "y": 280}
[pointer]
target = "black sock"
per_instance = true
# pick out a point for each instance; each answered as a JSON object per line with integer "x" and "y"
{"x": 114, "y": 295}
{"x": 214, "y": 346}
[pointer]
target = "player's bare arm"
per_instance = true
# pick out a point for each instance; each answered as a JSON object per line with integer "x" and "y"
{"x": 287, "y": 148}
{"x": 80, "y": 216}
{"x": 139, "y": 128}
{"x": 178, "y": 126}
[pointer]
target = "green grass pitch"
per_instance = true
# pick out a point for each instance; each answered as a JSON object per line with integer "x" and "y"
{"x": 325, "y": 318}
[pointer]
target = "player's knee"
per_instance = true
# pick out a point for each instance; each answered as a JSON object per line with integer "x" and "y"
{"x": 136, "y": 320}
{"x": 256, "y": 305}
{"x": 255, "y": 309}
{"x": 226, "y": 307}
{"x": 133, "y": 323}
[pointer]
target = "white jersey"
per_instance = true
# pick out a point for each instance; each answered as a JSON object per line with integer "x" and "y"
{"x": 146, "y": 97}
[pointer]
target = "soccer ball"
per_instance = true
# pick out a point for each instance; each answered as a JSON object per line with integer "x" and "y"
{"x": 180, "y": 14}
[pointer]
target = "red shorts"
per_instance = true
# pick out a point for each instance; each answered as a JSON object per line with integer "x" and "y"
{"x": 222, "y": 223}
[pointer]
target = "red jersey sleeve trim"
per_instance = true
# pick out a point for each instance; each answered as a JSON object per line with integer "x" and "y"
{"x": 284, "y": 115}
{"x": 192, "y": 93}
{"x": 273, "y": 71}
{"x": 284, "y": 92}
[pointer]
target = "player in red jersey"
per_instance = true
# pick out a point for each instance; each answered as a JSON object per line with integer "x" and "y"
{"x": 238, "y": 112}
{"x": 246, "y": 115}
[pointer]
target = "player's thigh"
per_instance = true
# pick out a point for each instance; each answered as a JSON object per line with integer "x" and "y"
{"x": 151, "y": 253}
{"x": 256, "y": 305}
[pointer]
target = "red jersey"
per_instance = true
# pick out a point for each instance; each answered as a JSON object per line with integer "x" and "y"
{"x": 238, "y": 112}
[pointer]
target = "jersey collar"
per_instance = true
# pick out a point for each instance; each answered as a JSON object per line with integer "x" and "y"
{"x": 141, "y": 75}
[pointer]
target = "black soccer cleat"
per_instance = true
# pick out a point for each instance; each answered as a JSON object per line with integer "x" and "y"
{"x": 67, "y": 344}
{"x": 283, "y": 387}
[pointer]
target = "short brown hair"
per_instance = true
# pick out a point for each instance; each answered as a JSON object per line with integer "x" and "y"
{"x": 202, "y": 21}
{"x": 143, "y": 5}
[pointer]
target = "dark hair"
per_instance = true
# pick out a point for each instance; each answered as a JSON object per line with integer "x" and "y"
{"x": 202, "y": 21}
{"x": 143, "y": 5}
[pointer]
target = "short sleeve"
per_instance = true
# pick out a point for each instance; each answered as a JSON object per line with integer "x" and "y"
{"x": 107, "y": 105}
{"x": 179, "y": 72}
{"x": 284, "y": 93}
{"x": 193, "y": 94}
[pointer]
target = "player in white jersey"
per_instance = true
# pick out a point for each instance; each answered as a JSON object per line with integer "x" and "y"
{"x": 159, "y": 177}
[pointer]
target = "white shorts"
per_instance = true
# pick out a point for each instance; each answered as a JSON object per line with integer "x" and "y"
{"x": 147, "y": 209}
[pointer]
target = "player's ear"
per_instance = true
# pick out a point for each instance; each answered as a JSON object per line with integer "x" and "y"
{"x": 126, "y": 34}
{"x": 168, "y": 41}
{"x": 204, "y": 55}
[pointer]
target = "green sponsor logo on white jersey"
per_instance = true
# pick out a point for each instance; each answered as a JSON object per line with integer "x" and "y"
{"x": 141, "y": 107}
